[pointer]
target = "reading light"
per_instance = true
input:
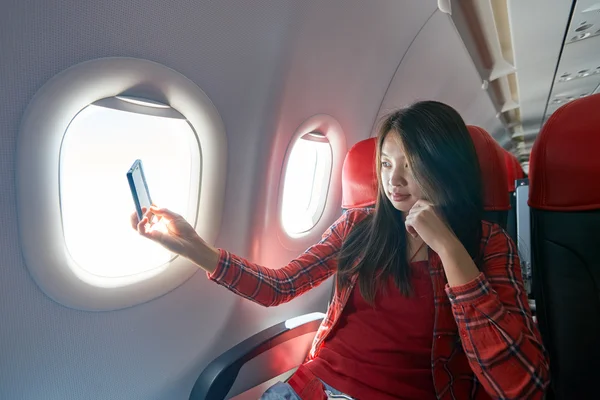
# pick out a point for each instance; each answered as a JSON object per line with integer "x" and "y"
{"x": 583, "y": 73}
{"x": 565, "y": 77}
{"x": 581, "y": 36}
{"x": 584, "y": 27}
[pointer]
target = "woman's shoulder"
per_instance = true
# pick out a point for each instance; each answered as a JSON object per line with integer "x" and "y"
{"x": 494, "y": 236}
{"x": 355, "y": 215}
{"x": 491, "y": 228}
{"x": 364, "y": 211}
{"x": 349, "y": 219}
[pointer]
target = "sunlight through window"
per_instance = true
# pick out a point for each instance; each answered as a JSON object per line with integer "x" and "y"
{"x": 98, "y": 148}
{"x": 306, "y": 183}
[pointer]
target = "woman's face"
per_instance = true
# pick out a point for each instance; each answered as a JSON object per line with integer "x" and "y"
{"x": 396, "y": 177}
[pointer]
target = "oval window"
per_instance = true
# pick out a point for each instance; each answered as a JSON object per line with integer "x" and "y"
{"x": 306, "y": 183}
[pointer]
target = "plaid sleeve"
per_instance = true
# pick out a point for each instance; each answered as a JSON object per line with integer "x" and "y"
{"x": 500, "y": 339}
{"x": 271, "y": 287}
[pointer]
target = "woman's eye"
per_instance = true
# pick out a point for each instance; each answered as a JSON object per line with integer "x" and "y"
{"x": 385, "y": 164}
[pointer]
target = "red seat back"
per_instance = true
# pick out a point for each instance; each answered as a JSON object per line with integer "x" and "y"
{"x": 520, "y": 173}
{"x": 359, "y": 175}
{"x": 564, "y": 198}
{"x": 514, "y": 170}
{"x": 493, "y": 173}
{"x": 564, "y": 168}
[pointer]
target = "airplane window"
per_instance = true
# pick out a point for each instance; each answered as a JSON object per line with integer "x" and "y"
{"x": 99, "y": 146}
{"x": 79, "y": 136}
{"x": 306, "y": 183}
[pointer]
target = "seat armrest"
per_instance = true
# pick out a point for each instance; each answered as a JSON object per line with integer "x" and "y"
{"x": 218, "y": 377}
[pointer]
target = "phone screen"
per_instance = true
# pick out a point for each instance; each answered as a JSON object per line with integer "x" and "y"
{"x": 139, "y": 187}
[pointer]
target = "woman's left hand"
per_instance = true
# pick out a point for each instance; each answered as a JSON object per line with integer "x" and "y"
{"x": 422, "y": 220}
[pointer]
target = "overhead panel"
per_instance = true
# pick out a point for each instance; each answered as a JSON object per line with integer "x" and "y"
{"x": 516, "y": 54}
{"x": 578, "y": 73}
{"x": 537, "y": 47}
{"x": 485, "y": 30}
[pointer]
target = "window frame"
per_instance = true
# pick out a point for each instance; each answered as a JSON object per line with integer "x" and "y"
{"x": 329, "y": 127}
{"x": 38, "y": 192}
{"x": 318, "y": 204}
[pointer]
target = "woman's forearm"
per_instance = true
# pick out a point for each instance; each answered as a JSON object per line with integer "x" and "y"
{"x": 205, "y": 256}
{"x": 458, "y": 265}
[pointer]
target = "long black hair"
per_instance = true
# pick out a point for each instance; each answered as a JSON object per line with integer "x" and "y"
{"x": 444, "y": 162}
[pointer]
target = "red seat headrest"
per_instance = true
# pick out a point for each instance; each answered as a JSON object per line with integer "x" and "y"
{"x": 518, "y": 168}
{"x": 564, "y": 167}
{"x": 359, "y": 175}
{"x": 493, "y": 170}
{"x": 514, "y": 170}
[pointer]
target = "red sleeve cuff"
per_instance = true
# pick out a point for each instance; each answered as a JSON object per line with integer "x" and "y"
{"x": 219, "y": 272}
{"x": 470, "y": 291}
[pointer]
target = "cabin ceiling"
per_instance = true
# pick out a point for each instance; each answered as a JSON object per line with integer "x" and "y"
{"x": 534, "y": 56}
{"x": 537, "y": 48}
{"x": 256, "y": 48}
{"x": 578, "y": 71}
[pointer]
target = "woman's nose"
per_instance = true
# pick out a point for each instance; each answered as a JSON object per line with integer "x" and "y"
{"x": 397, "y": 179}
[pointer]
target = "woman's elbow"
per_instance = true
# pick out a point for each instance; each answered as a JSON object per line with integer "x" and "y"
{"x": 537, "y": 382}
{"x": 545, "y": 372}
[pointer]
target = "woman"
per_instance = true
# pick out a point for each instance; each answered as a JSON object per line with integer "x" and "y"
{"x": 429, "y": 299}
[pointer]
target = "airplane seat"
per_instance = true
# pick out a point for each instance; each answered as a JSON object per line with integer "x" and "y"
{"x": 493, "y": 173}
{"x": 359, "y": 190}
{"x": 359, "y": 175}
{"x": 564, "y": 199}
{"x": 520, "y": 173}
{"x": 514, "y": 172}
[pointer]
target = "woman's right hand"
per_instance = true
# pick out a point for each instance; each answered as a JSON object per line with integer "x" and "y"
{"x": 175, "y": 234}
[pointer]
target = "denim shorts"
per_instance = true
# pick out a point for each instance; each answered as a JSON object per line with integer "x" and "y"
{"x": 283, "y": 391}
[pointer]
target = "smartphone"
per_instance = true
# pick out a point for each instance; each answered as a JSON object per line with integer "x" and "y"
{"x": 139, "y": 187}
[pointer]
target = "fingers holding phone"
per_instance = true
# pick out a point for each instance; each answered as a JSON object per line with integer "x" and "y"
{"x": 134, "y": 219}
{"x": 152, "y": 222}
{"x": 159, "y": 224}
{"x": 169, "y": 229}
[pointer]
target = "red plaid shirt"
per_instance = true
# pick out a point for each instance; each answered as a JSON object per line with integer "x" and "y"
{"x": 485, "y": 345}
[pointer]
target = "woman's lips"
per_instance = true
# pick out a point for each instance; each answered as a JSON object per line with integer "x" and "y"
{"x": 400, "y": 196}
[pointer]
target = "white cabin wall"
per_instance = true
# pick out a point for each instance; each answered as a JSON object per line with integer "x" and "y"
{"x": 155, "y": 350}
{"x": 437, "y": 66}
